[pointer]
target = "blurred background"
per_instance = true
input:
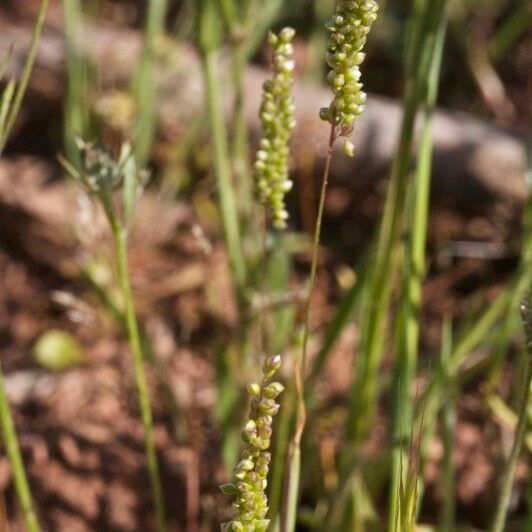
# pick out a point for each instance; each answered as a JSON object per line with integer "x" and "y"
{"x": 63, "y": 350}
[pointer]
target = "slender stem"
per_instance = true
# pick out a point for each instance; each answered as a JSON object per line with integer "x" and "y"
{"x": 76, "y": 113}
{"x": 26, "y": 73}
{"x": 448, "y": 480}
{"x": 316, "y": 244}
{"x": 447, "y": 516}
{"x": 120, "y": 237}
{"x": 145, "y": 85}
{"x": 223, "y": 170}
{"x": 413, "y": 275}
{"x": 509, "y": 474}
{"x": 15, "y": 459}
{"x": 291, "y": 489}
{"x": 378, "y": 293}
{"x": 240, "y": 139}
{"x": 7, "y": 425}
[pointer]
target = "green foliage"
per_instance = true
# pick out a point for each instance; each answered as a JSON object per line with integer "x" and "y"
{"x": 10, "y": 102}
{"x": 101, "y": 175}
{"x": 11, "y": 98}
{"x": 227, "y": 33}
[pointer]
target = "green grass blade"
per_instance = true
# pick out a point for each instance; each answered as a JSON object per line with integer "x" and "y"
{"x": 76, "y": 110}
{"x": 5, "y": 102}
{"x": 223, "y": 171}
{"x": 448, "y": 510}
{"x": 208, "y": 41}
{"x": 15, "y": 459}
{"x": 25, "y": 77}
{"x": 526, "y": 394}
{"x": 413, "y": 276}
{"x": 378, "y": 291}
{"x": 120, "y": 237}
{"x": 145, "y": 86}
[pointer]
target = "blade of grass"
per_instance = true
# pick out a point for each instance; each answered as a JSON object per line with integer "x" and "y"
{"x": 376, "y": 297}
{"x": 239, "y": 24}
{"x": 293, "y": 459}
{"x": 447, "y": 515}
{"x": 102, "y": 183}
{"x": 11, "y": 102}
{"x": 510, "y": 31}
{"x": 120, "y": 238}
{"x": 117, "y": 314}
{"x": 509, "y": 473}
{"x": 76, "y": 110}
{"x": 413, "y": 275}
{"x": 377, "y": 294}
{"x": 282, "y": 437}
{"x": 145, "y": 87}
{"x": 474, "y": 335}
{"x": 25, "y": 77}
{"x": 208, "y": 43}
{"x": 15, "y": 459}
{"x": 516, "y": 294}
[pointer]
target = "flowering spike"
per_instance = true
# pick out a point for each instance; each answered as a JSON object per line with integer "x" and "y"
{"x": 250, "y": 473}
{"x": 277, "y": 119}
{"x": 349, "y": 27}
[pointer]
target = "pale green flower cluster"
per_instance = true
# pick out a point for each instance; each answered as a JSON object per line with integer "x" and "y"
{"x": 349, "y": 26}
{"x": 251, "y": 504}
{"x": 277, "y": 118}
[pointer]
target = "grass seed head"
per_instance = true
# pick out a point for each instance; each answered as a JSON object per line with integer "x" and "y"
{"x": 349, "y": 28}
{"x": 277, "y": 119}
{"x": 251, "y": 504}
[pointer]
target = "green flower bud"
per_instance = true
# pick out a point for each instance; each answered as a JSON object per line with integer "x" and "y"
{"x": 272, "y": 364}
{"x": 349, "y": 148}
{"x": 244, "y": 465}
{"x": 254, "y": 389}
{"x": 273, "y": 390}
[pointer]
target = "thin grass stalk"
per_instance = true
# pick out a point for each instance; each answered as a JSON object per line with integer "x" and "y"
{"x": 413, "y": 276}
{"x": 7, "y": 426}
{"x": 240, "y": 147}
{"x": 145, "y": 88}
{"x": 518, "y": 289}
{"x": 120, "y": 239}
{"x": 528, "y": 518}
{"x": 448, "y": 510}
{"x": 238, "y": 28}
{"x": 509, "y": 473}
{"x": 293, "y": 467}
{"x": 180, "y": 429}
{"x": 25, "y": 77}
{"x": 223, "y": 171}
{"x": 76, "y": 113}
{"x": 282, "y": 437}
{"x": 378, "y": 291}
{"x": 473, "y": 336}
{"x": 208, "y": 41}
{"x": 14, "y": 455}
